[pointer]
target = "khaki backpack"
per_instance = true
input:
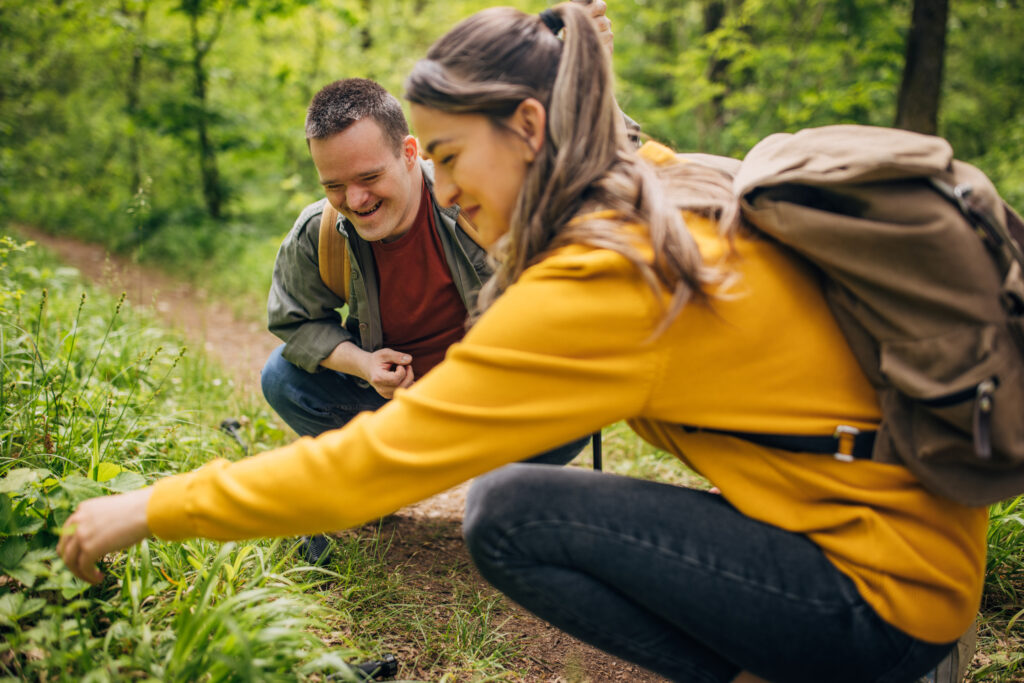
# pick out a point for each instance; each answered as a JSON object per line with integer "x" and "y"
{"x": 332, "y": 254}
{"x": 921, "y": 262}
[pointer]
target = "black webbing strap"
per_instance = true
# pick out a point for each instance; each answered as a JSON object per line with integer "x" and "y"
{"x": 862, "y": 442}
{"x": 595, "y": 443}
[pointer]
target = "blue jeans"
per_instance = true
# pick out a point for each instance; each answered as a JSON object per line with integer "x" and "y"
{"x": 678, "y": 581}
{"x": 313, "y": 403}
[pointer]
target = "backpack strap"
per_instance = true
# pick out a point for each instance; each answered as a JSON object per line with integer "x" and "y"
{"x": 1006, "y": 236}
{"x": 846, "y": 443}
{"x": 332, "y": 253}
{"x": 469, "y": 229}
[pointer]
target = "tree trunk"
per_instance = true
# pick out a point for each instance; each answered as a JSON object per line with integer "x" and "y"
{"x": 132, "y": 93}
{"x": 714, "y": 13}
{"x": 917, "y": 107}
{"x": 213, "y": 193}
{"x": 366, "y": 37}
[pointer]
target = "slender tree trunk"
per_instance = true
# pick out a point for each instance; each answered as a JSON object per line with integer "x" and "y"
{"x": 213, "y": 192}
{"x": 366, "y": 38}
{"x": 133, "y": 91}
{"x": 714, "y": 120}
{"x": 714, "y": 13}
{"x": 917, "y": 106}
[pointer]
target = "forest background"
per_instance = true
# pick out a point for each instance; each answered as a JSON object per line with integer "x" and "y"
{"x": 171, "y": 131}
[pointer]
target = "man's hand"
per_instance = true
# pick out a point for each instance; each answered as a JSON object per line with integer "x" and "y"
{"x": 100, "y": 526}
{"x": 598, "y": 10}
{"x": 387, "y": 370}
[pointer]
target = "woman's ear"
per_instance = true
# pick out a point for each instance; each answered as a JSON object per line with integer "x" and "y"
{"x": 529, "y": 122}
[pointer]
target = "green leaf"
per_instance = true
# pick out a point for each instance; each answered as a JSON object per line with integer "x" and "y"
{"x": 79, "y": 488}
{"x": 6, "y": 513}
{"x": 105, "y": 471}
{"x": 11, "y": 552}
{"x": 18, "y": 479}
{"x": 126, "y": 481}
{"x": 26, "y": 524}
{"x": 14, "y": 607}
{"x": 25, "y": 575}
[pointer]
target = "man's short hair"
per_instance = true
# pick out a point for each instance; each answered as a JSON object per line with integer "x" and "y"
{"x": 340, "y": 104}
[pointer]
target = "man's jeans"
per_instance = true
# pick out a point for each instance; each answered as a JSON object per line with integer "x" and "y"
{"x": 678, "y": 581}
{"x": 313, "y": 403}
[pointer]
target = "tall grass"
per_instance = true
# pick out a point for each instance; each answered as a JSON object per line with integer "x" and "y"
{"x": 96, "y": 399}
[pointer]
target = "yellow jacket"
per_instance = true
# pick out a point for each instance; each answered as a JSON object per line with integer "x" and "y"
{"x": 567, "y": 349}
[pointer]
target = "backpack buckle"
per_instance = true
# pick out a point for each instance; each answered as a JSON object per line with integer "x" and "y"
{"x": 845, "y": 436}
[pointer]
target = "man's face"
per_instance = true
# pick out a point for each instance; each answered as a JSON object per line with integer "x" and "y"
{"x": 371, "y": 186}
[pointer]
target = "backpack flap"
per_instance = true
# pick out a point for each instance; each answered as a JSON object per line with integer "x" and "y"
{"x": 922, "y": 300}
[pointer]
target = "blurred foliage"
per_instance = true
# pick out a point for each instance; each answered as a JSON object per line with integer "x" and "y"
{"x": 175, "y": 126}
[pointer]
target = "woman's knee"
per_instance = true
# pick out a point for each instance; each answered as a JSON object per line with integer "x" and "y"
{"x": 502, "y": 501}
{"x": 491, "y": 503}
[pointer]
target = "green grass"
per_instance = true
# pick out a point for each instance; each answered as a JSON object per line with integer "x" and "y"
{"x": 96, "y": 398}
{"x": 1001, "y": 626}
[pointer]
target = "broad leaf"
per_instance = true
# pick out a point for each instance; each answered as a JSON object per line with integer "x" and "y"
{"x": 17, "y": 479}
{"x": 126, "y": 481}
{"x": 79, "y": 488}
{"x": 11, "y": 552}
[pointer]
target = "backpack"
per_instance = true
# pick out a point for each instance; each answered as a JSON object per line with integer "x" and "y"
{"x": 332, "y": 253}
{"x": 922, "y": 267}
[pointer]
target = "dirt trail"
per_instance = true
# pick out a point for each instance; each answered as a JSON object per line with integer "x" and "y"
{"x": 425, "y": 536}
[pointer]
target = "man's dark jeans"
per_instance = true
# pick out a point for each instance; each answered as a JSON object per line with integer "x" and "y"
{"x": 313, "y": 403}
{"x": 678, "y": 581}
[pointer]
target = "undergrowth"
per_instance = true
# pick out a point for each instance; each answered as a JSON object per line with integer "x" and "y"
{"x": 95, "y": 398}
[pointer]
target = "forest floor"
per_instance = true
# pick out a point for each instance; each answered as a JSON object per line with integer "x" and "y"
{"x": 425, "y": 538}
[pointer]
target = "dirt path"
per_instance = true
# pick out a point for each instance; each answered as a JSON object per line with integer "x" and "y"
{"x": 424, "y": 536}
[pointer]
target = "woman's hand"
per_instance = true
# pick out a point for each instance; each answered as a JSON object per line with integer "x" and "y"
{"x": 598, "y": 12}
{"x": 100, "y": 526}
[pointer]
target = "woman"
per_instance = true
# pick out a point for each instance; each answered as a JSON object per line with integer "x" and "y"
{"x": 805, "y": 568}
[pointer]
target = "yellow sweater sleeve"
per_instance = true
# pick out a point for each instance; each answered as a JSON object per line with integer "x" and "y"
{"x": 564, "y": 351}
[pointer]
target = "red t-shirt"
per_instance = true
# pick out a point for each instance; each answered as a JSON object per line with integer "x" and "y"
{"x": 421, "y": 311}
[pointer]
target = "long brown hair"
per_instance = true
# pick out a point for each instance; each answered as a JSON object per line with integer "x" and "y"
{"x": 492, "y": 61}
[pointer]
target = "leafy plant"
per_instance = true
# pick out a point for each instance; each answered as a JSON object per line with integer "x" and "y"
{"x": 86, "y": 409}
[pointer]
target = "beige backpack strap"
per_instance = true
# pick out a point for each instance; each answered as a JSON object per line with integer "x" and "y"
{"x": 469, "y": 229}
{"x": 332, "y": 254}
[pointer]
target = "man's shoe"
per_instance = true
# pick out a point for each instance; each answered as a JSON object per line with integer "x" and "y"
{"x": 315, "y": 549}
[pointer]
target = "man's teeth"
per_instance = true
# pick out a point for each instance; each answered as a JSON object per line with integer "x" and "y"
{"x": 369, "y": 211}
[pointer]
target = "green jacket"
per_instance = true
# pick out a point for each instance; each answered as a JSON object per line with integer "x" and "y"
{"x": 305, "y": 314}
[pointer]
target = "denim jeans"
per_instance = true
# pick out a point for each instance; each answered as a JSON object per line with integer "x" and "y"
{"x": 313, "y": 403}
{"x": 678, "y": 581}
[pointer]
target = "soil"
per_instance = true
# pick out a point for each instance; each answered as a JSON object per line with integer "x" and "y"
{"x": 425, "y": 538}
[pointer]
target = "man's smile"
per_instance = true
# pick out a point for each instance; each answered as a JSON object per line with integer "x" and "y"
{"x": 369, "y": 211}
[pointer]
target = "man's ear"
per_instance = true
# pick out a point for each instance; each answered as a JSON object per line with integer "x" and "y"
{"x": 529, "y": 122}
{"x": 410, "y": 151}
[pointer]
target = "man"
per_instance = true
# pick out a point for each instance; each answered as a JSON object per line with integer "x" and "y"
{"x": 414, "y": 270}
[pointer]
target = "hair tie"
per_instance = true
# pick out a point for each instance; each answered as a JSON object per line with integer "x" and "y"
{"x": 552, "y": 21}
